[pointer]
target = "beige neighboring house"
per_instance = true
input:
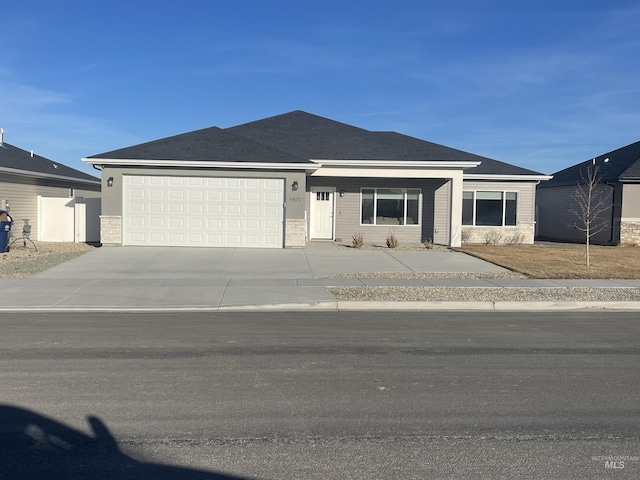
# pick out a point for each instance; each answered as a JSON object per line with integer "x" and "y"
{"x": 285, "y": 180}
{"x": 61, "y": 203}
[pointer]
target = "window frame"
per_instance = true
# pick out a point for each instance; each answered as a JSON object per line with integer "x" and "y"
{"x": 503, "y": 193}
{"x": 405, "y": 194}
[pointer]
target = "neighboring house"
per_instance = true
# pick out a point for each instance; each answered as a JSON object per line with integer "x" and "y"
{"x": 284, "y": 180}
{"x": 27, "y": 179}
{"x": 619, "y": 181}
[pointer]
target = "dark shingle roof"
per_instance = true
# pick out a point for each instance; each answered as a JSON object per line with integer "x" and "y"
{"x": 19, "y": 159}
{"x": 300, "y": 137}
{"x": 208, "y": 144}
{"x": 311, "y": 136}
{"x": 434, "y": 151}
{"x": 623, "y": 164}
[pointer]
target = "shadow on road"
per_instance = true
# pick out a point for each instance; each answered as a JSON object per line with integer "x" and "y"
{"x": 33, "y": 446}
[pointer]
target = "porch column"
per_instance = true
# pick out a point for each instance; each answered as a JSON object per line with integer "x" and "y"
{"x": 455, "y": 235}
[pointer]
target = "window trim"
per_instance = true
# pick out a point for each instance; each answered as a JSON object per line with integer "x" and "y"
{"x": 504, "y": 207}
{"x": 405, "y": 191}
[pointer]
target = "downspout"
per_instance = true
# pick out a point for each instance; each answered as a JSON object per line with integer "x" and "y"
{"x": 613, "y": 212}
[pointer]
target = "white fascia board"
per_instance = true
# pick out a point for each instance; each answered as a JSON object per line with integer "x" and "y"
{"x": 380, "y": 172}
{"x": 522, "y": 178}
{"x": 200, "y": 164}
{"x": 431, "y": 164}
{"x": 26, "y": 173}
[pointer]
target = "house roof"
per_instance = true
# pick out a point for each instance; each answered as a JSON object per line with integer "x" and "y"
{"x": 314, "y": 137}
{"x": 21, "y": 161}
{"x": 300, "y": 137}
{"x": 209, "y": 144}
{"x": 618, "y": 165}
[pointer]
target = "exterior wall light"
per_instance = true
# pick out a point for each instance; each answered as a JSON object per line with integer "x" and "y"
{"x": 294, "y": 186}
{"x": 110, "y": 182}
{"x": 342, "y": 193}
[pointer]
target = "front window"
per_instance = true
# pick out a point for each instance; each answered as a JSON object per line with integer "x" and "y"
{"x": 390, "y": 206}
{"x": 489, "y": 208}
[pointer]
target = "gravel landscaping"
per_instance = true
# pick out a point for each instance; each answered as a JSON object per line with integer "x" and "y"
{"x": 24, "y": 262}
{"x": 442, "y": 294}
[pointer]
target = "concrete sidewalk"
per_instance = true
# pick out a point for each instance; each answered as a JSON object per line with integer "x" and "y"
{"x": 162, "y": 278}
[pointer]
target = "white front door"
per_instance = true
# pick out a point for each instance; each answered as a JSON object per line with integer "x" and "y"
{"x": 321, "y": 225}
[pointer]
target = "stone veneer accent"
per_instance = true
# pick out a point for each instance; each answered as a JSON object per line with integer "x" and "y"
{"x": 295, "y": 232}
{"x": 111, "y": 230}
{"x": 523, "y": 233}
{"x": 629, "y": 232}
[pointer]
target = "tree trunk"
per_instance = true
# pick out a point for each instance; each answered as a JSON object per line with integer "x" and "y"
{"x": 587, "y": 259}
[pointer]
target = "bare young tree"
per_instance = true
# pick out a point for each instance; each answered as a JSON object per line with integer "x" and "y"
{"x": 590, "y": 204}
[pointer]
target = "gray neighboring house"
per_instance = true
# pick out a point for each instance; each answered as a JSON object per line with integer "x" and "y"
{"x": 619, "y": 174}
{"x": 25, "y": 176}
{"x": 297, "y": 177}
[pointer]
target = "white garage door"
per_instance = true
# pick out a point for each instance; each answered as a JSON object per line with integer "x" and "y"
{"x": 203, "y": 212}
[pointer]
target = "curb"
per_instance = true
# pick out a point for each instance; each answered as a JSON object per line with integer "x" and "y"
{"x": 346, "y": 306}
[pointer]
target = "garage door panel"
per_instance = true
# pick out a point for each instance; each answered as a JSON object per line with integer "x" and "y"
{"x": 192, "y": 211}
{"x": 176, "y": 208}
{"x": 252, "y": 197}
{"x": 271, "y": 197}
{"x": 156, "y": 208}
{"x": 232, "y": 210}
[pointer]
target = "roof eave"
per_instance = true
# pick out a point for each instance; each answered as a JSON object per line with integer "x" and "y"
{"x": 199, "y": 164}
{"x": 27, "y": 173}
{"x": 516, "y": 177}
{"x": 440, "y": 164}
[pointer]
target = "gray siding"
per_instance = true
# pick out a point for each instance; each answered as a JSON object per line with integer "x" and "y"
{"x": 23, "y": 198}
{"x": 556, "y": 221}
{"x": 347, "y": 209}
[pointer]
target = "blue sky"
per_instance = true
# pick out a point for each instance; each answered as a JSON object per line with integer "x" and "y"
{"x": 540, "y": 84}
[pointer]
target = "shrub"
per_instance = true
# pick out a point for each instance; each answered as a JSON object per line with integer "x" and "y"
{"x": 392, "y": 240}
{"x": 493, "y": 238}
{"x": 515, "y": 239}
{"x": 358, "y": 240}
{"x": 465, "y": 235}
{"x": 428, "y": 244}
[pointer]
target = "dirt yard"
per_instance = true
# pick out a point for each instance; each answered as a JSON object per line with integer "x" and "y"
{"x": 548, "y": 260}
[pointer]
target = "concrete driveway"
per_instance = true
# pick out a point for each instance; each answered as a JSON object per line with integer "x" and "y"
{"x": 213, "y": 278}
{"x": 312, "y": 262}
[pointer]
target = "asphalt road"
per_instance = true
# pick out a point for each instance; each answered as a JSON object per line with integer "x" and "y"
{"x": 318, "y": 395}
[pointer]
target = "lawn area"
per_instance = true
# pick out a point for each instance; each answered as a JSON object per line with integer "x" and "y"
{"x": 547, "y": 260}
